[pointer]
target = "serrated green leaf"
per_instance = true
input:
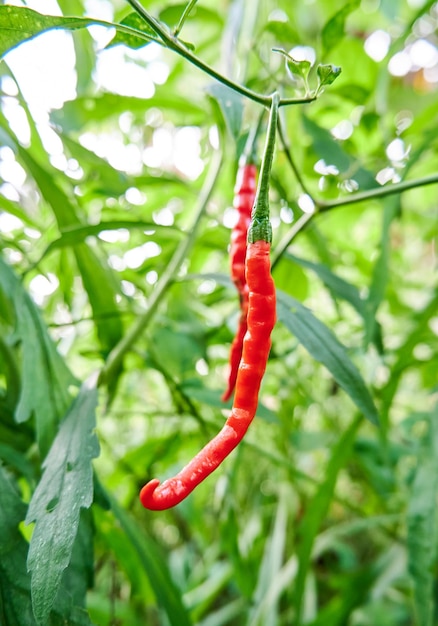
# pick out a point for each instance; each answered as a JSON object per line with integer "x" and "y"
{"x": 231, "y": 106}
{"x": 323, "y": 346}
{"x": 65, "y": 487}
{"x": 134, "y": 40}
{"x": 422, "y": 539}
{"x": 334, "y": 29}
{"x": 45, "y": 378}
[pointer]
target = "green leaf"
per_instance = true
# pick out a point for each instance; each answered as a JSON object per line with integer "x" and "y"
{"x": 15, "y": 603}
{"x": 65, "y": 488}
{"x": 231, "y": 106}
{"x": 132, "y": 40}
{"x": 334, "y": 30}
{"x": 98, "y": 280}
{"x": 325, "y": 348}
{"x": 19, "y": 24}
{"x": 422, "y": 525}
{"x": 339, "y": 287}
{"x": 45, "y": 378}
{"x": 381, "y": 268}
{"x": 327, "y": 74}
{"x": 80, "y": 113}
{"x": 325, "y": 146}
{"x": 270, "y": 582}
{"x": 300, "y": 69}
{"x": 168, "y": 596}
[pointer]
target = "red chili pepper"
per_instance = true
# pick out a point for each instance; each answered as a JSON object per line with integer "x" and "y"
{"x": 256, "y": 346}
{"x": 244, "y": 196}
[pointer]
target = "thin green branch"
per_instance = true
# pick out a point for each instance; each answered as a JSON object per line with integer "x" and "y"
{"x": 171, "y": 42}
{"x": 191, "y": 5}
{"x": 285, "y": 242}
{"x": 378, "y": 192}
{"x": 321, "y": 206}
{"x": 117, "y": 354}
{"x": 290, "y": 160}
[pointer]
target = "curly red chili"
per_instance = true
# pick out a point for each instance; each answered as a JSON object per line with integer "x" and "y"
{"x": 256, "y": 346}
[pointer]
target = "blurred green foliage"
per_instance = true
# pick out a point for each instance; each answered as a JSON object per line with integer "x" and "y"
{"x": 115, "y": 215}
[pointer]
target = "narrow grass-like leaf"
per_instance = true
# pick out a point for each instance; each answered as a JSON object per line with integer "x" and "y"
{"x": 339, "y": 287}
{"x": 422, "y": 540}
{"x": 265, "y": 600}
{"x": 317, "y": 510}
{"x": 322, "y": 344}
{"x": 168, "y": 596}
{"x": 65, "y": 487}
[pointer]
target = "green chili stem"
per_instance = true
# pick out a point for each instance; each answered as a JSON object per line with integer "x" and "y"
{"x": 117, "y": 354}
{"x": 260, "y": 228}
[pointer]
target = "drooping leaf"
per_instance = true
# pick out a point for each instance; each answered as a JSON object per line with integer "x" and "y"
{"x": 80, "y": 113}
{"x": 98, "y": 279}
{"x": 339, "y": 287}
{"x": 64, "y": 489}
{"x": 327, "y": 148}
{"x": 45, "y": 379}
{"x": 322, "y": 344}
{"x": 231, "y": 106}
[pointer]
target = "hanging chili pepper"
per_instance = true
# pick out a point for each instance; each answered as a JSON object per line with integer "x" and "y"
{"x": 256, "y": 346}
{"x": 244, "y": 195}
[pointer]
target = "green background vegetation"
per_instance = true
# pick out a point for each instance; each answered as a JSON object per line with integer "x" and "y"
{"x": 320, "y": 517}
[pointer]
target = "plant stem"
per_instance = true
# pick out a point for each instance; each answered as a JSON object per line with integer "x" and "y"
{"x": 117, "y": 354}
{"x": 287, "y": 152}
{"x": 184, "y": 16}
{"x": 174, "y": 44}
{"x": 321, "y": 206}
{"x": 378, "y": 192}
